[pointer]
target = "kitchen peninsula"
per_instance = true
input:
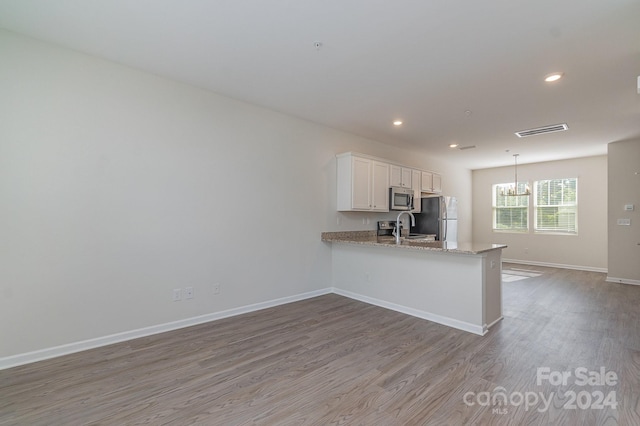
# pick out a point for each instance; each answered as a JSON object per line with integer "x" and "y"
{"x": 454, "y": 284}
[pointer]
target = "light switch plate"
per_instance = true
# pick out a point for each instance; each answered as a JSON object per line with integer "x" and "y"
{"x": 624, "y": 222}
{"x": 628, "y": 207}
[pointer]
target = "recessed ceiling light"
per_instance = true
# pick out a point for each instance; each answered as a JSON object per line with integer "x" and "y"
{"x": 554, "y": 76}
{"x": 397, "y": 123}
{"x": 453, "y": 145}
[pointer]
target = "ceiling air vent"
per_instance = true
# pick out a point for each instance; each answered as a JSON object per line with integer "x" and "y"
{"x": 541, "y": 130}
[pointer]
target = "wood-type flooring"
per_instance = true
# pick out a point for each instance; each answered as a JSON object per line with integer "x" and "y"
{"x": 331, "y": 360}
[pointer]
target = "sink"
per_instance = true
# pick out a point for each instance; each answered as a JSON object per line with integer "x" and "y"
{"x": 427, "y": 237}
{"x": 411, "y": 239}
{"x": 422, "y": 243}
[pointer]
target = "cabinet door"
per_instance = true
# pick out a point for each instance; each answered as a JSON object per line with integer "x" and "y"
{"x": 380, "y": 187}
{"x": 395, "y": 175}
{"x": 416, "y": 180}
{"x": 437, "y": 183}
{"x": 427, "y": 181}
{"x": 406, "y": 178}
{"x": 361, "y": 183}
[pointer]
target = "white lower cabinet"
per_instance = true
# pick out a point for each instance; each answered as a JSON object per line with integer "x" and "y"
{"x": 363, "y": 184}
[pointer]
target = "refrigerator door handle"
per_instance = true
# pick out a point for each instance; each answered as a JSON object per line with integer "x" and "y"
{"x": 446, "y": 224}
{"x": 444, "y": 217}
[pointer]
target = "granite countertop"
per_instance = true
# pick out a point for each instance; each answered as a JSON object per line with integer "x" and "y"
{"x": 371, "y": 238}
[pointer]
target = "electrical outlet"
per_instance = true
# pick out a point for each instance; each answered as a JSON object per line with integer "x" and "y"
{"x": 177, "y": 294}
{"x": 216, "y": 288}
{"x": 188, "y": 292}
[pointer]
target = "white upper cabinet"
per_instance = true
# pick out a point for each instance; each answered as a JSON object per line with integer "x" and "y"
{"x": 380, "y": 189}
{"x": 400, "y": 176}
{"x": 363, "y": 184}
{"x": 416, "y": 180}
{"x": 431, "y": 182}
{"x": 427, "y": 182}
{"x": 437, "y": 183}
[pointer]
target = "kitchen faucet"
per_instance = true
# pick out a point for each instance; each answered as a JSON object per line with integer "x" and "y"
{"x": 398, "y": 223}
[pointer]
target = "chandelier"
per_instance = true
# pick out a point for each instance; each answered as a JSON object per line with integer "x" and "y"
{"x": 512, "y": 191}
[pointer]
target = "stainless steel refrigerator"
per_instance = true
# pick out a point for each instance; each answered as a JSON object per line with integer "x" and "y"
{"x": 439, "y": 216}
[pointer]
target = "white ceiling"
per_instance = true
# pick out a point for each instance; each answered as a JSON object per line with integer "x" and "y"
{"x": 425, "y": 62}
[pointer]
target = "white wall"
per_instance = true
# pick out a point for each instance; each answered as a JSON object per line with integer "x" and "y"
{"x": 587, "y": 250}
{"x": 624, "y": 189}
{"x": 117, "y": 186}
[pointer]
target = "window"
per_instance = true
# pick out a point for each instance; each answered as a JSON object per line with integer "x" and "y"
{"x": 510, "y": 213}
{"x": 556, "y": 206}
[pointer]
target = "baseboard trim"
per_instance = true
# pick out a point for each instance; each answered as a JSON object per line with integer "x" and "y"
{"x": 555, "y": 265}
{"x": 449, "y": 322}
{"x": 487, "y": 327}
{"x": 56, "y": 351}
{"x": 622, "y": 281}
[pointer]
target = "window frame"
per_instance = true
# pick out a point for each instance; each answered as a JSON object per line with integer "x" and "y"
{"x": 573, "y": 206}
{"x": 496, "y": 208}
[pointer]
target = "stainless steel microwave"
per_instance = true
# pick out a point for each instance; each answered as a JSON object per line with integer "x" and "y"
{"x": 400, "y": 198}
